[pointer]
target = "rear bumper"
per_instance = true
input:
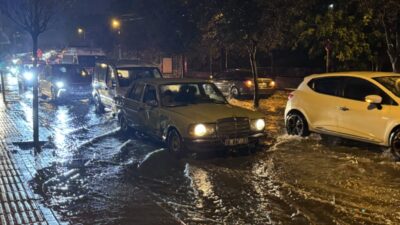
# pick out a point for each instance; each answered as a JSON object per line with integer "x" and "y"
{"x": 250, "y": 92}
{"x": 212, "y": 144}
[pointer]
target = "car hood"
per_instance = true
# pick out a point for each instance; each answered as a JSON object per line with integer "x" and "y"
{"x": 208, "y": 113}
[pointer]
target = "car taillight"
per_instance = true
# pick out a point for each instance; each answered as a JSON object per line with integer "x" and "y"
{"x": 248, "y": 83}
{"x": 290, "y": 96}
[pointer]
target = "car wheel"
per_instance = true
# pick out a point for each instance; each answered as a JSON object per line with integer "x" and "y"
{"x": 296, "y": 124}
{"x": 175, "y": 143}
{"x": 124, "y": 124}
{"x": 395, "y": 144}
{"x": 53, "y": 95}
{"x": 99, "y": 107}
{"x": 234, "y": 93}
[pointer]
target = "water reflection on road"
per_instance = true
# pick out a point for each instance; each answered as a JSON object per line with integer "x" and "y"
{"x": 99, "y": 176}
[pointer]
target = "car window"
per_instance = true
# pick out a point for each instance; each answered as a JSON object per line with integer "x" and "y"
{"x": 127, "y": 75}
{"x": 358, "y": 89}
{"x": 326, "y": 85}
{"x": 150, "y": 94}
{"x": 136, "y": 92}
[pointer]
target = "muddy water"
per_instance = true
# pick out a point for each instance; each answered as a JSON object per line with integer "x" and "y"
{"x": 98, "y": 176}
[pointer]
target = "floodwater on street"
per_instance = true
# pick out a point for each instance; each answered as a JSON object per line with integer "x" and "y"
{"x": 96, "y": 175}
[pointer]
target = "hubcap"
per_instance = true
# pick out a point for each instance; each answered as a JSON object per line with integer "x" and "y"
{"x": 234, "y": 92}
{"x": 295, "y": 125}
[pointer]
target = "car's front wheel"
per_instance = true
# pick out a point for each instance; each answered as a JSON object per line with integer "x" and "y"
{"x": 99, "y": 107}
{"x": 175, "y": 143}
{"x": 296, "y": 124}
{"x": 124, "y": 124}
{"x": 54, "y": 97}
{"x": 395, "y": 144}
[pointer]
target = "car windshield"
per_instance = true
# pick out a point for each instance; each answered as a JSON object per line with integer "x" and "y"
{"x": 87, "y": 60}
{"x": 392, "y": 83}
{"x": 127, "y": 75}
{"x": 173, "y": 95}
{"x": 71, "y": 73}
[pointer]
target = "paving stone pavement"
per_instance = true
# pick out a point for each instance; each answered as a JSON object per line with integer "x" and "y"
{"x": 18, "y": 204}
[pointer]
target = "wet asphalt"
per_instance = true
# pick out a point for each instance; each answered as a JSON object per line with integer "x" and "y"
{"x": 97, "y": 175}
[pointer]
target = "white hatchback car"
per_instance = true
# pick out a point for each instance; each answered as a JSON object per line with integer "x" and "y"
{"x": 362, "y": 106}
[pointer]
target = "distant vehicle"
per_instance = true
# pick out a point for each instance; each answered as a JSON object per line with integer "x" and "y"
{"x": 26, "y": 74}
{"x": 362, "y": 106}
{"x": 65, "y": 81}
{"x": 84, "y": 56}
{"x": 111, "y": 81}
{"x": 188, "y": 115}
{"x": 237, "y": 83}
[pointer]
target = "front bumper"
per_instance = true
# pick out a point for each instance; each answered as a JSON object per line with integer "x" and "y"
{"x": 212, "y": 144}
{"x": 73, "y": 94}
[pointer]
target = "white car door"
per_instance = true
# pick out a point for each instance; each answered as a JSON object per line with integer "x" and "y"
{"x": 320, "y": 103}
{"x": 361, "y": 120}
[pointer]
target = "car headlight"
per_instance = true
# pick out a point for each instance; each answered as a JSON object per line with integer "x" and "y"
{"x": 28, "y": 76}
{"x": 201, "y": 130}
{"x": 60, "y": 84}
{"x": 258, "y": 125}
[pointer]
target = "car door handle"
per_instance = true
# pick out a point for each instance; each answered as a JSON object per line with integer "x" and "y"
{"x": 344, "y": 108}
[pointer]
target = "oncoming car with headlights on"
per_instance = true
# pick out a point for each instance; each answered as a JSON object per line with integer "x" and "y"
{"x": 65, "y": 81}
{"x": 188, "y": 115}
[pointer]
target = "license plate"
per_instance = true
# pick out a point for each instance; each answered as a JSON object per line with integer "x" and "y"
{"x": 236, "y": 141}
{"x": 262, "y": 86}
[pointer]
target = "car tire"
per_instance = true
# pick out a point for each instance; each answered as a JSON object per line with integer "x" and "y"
{"x": 124, "y": 125}
{"x": 296, "y": 124}
{"x": 175, "y": 143}
{"x": 99, "y": 107}
{"x": 53, "y": 96}
{"x": 234, "y": 93}
{"x": 395, "y": 144}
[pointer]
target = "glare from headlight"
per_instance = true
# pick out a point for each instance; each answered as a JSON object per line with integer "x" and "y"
{"x": 272, "y": 83}
{"x": 13, "y": 70}
{"x": 60, "y": 84}
{"x": 28, "y": 76}
{"x": 200, "y": 130}
{"x": 260, "y": 124}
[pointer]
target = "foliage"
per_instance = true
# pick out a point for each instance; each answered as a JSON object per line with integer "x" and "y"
{"x": 335, "y": 25}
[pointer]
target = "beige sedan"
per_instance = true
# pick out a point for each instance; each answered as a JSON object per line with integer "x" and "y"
{"x": 188, "y": 115}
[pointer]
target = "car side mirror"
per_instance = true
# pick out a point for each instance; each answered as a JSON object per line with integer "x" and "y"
{"x": 152, "y": 103}
{"x": 373, "y": 99}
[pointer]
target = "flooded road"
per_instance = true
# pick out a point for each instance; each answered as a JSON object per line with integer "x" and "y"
{"x": 96, "y": 175}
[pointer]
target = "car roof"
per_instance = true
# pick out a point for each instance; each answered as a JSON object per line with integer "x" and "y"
{"x": 165, "y": 81}
{"x": 134, "y": 66}
{"x": 362, "y": 74}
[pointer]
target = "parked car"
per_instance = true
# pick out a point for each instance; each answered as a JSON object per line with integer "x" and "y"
{"x": 188, "y": 115}
{"x": 111, "y": 81}
{"x": 362, "y": 106}
{"x": 239, "y": 83}
{"x": 65, "y": 81}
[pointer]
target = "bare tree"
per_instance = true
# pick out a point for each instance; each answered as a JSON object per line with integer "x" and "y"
{"x": 34, "y": 17}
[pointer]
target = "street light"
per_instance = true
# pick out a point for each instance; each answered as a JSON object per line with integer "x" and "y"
{"x": 82, "y": 33}
{"x": 116, "y": 25}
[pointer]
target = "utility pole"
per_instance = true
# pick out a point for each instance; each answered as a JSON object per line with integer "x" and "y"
{"x": 3, "y": 88}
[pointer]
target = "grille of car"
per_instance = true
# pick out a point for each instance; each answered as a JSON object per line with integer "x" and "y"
{"x": 233, "y": 127}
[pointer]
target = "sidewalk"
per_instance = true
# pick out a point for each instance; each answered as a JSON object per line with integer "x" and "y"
{"x": 18, "y": 204}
